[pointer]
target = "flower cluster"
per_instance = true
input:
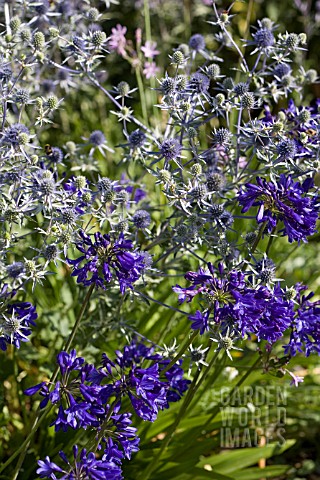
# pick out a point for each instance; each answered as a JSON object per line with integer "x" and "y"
{"x": 234, "y": 306}
{"x": 285, "y": 201}
{"x": 16, "y": 319}
{"x": 102, "y": 256}
{"x": 89, "y": 397}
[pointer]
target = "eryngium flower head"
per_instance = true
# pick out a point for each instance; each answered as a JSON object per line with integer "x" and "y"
{"x": 284, "y": 201}
{"x": 103, "y": 257}
{"x": 12, "y": 134}
{"x": 197, "y": 42}
{"x": 171, "y": 149}
{"x": 141, "y": 219}
{"x": 222, "y": 136}
{"x": 263, "y": 38}
{"x": 199, "y": 83}
{"x": 287, "y": 149}
{"x": 281, "y": 70}
{"x": 137, "y": 138}
{"x": 97, "y": 138}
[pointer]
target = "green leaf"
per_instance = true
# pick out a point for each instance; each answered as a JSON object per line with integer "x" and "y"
{"x": 231, "y": 461}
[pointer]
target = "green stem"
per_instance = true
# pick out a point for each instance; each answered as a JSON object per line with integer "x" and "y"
{"x": 142, "y": 96}
{"x": 147, "y": 21}
{"x": 270, "y": 240}
{"x": 38, "y": 419}
{"x": 257, "y": 240}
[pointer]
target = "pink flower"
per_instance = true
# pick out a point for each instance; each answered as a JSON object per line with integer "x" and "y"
{"x": 150, "y": 69}
{"x": 117, "y": 40}
{"x": 149, "y": 49}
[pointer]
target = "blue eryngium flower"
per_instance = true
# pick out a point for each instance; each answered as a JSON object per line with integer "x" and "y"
{"x": 102, "y": 257}
{"x": 286, "y": 201}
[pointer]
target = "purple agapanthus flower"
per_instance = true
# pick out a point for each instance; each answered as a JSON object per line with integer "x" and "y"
{"x": 84, "y": 465}
{"x": 286, "y": 201}
{"x": 305, "y": 333}
{"x": 234, "y": 306}
{"x": 87, "y": 397}
{"x": 102, "y": 258}
{"x": 16, "y": 320}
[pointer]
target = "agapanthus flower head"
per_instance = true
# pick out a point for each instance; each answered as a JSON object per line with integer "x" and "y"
{"x": 103, "y": 257}
{"x": 283, "y": 200}
{"x": 84, "y": 465}
{"x": 305, "y": 328}
{"x": 16, "y": 320}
